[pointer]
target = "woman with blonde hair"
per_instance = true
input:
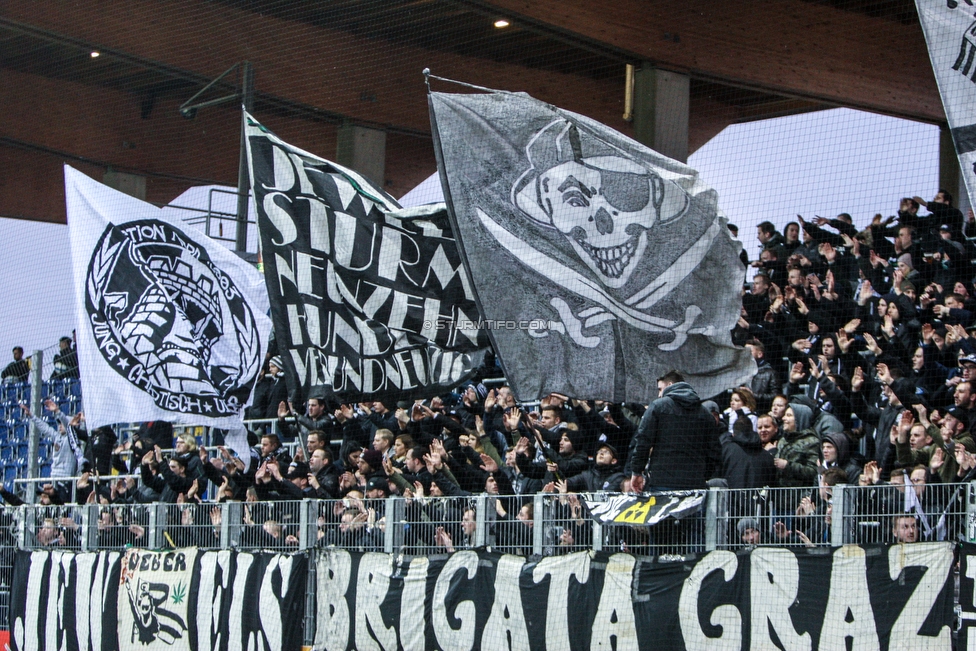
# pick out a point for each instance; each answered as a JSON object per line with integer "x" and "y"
{"x": 188, "y": 453}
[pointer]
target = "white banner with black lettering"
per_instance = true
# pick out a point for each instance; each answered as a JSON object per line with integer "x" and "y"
{"x": 176, "y": 599}
{"x": 950, "y": 33}
{"x": 171, "y": 324}
{"x": 898, "y": 597}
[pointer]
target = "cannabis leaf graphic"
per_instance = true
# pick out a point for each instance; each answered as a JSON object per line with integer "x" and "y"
{"x": 179, "y": 593}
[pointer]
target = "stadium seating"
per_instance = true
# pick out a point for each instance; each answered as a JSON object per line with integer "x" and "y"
{"x": 15, "y": 428}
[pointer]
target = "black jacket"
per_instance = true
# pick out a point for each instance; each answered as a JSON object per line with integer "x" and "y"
{"x": 765, "y": 386}
{"x": 269, "y": 392}
{"x": 65, "y": 365}
{"x": 328, "y": 478}
{"x": 20, "y": 371}
{"x": 684, "y": 438}
{"x": 745, "y": 464}
{"x": 101, "y": 443}
{"x": 569, "y": 466}
{"x": 165, "y": 482}
{"x": 597, "y": 478}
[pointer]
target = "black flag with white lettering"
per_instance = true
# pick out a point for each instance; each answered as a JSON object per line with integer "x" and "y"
{"x": 369, "y": 301}
{"x": 610, "y": 259}
{"x": 177, "y": 599}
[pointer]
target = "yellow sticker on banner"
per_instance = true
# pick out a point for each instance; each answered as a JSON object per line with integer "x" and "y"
{"x": 638, "y": 513}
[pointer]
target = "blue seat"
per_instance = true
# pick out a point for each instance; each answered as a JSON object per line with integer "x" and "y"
{"x": 45, "y": 469}
{"x": 75, "y": 388}
{"x": 20, "y": 432}
{"x": 58, "y": 389}
{"x": 11, "y": 392}
{"x": 6, "y": 452}
{"x": 22, "y": 450}
{"x": 25, "y": 392}
{"x": 67, "y": 404}
{"x": 9, "y": 473}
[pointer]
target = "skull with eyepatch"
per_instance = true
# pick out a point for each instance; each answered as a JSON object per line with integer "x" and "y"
{"x": 603, "y": 203}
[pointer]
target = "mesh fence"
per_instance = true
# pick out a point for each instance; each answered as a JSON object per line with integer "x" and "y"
{"x": 769, "y": 154}
{"x": 546, "y": 525}
{"x": 857, "y": 307}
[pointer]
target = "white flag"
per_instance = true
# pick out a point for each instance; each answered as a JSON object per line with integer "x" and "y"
{"x": 171, "y": 324}
{"x": 912, "y": 503}
{"x": 950, "y": 34}
{"x": 154, "y": 599}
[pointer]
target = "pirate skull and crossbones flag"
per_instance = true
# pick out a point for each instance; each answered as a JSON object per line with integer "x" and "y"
{"x": 598, "y": 264}
{"x": 171, "y": 324}
{"x": 369, "y": 301}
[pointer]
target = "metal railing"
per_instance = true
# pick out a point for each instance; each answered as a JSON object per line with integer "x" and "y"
{"x": 541, "y": 524}
{"x": 544, "y": 524}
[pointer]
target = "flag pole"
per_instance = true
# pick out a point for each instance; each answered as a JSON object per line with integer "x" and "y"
{"x": 33, "y": 442}
{"x": 243, "y": 178}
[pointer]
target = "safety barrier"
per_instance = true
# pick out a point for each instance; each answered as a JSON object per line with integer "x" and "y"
{"x": 544, "y": 524}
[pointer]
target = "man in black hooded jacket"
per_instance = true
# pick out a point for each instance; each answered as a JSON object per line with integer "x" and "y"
{"x": 837, "y": 454}
{"x": 745, "y": 464}
{"x": 676, "y": 444}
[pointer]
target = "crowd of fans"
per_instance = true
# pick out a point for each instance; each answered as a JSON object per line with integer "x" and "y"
{"x": 865, "y": 348}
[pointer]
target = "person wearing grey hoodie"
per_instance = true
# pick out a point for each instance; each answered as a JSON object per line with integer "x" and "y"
{"x": 821, "y": 422}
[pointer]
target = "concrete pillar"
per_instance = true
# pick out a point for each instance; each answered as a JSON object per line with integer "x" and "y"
{"x": 661, "y": 111}
{"x": 950, "y": 177}
{"x": 364, "y": 150}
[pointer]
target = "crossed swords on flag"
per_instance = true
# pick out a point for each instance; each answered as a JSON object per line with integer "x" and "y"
{"x": 632, "y": 311}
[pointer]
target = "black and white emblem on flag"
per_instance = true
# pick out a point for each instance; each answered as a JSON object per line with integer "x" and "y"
{"x": 152, "y": 620}
{"x": 171, "y": 324}
{"x": 618, "y": 251}
{"x": 369, "y": 301}
{"x": 603, "y": 205}
{"x": 162, "y": 311}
